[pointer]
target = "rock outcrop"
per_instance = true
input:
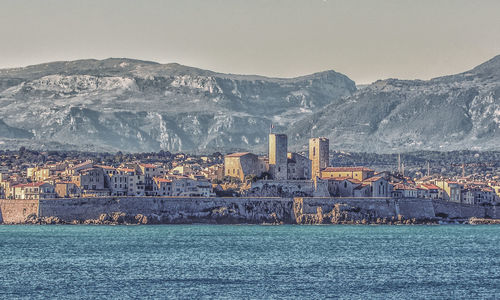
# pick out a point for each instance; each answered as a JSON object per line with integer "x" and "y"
{"x": 172, "y": 210}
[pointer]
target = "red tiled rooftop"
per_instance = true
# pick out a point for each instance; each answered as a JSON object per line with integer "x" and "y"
{"x": 353, "y": 180}
{"x": 162, "y": 179}
{"x": 372, "y": 179}
{"x": 81, "y": 164}
{"x": 335, "y": 178}
{"x": 238, "y": 154}
{"x": 347, "y": 169}
{"x": 430, "y": 186}
{"x": 148, "y": 166}
{"x": 105, "y": 167}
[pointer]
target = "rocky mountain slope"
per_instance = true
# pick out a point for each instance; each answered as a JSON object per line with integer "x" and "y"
{"x": 131, "y": 105}
{"x": 447, "y": 113}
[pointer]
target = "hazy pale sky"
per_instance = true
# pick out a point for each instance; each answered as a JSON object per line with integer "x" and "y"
{"x": 366, "y": 40}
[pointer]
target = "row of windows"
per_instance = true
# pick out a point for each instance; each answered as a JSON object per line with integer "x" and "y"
{"x": 121, "y": 178}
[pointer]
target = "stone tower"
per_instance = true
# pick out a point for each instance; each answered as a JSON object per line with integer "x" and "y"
{"x": 319, "y": 151}
{"x": 278, "y": 148}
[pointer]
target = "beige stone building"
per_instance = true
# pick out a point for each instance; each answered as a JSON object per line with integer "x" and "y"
{"x": 67, "y": 189}
{"x": 319, "y": 152}
{"x": 359, "y": 173}
{"x": 242, "y": 164}
{"x": 34, "y": 190}
{"x": 162, "y": 186}
{"x": 89, "y": 179}
{"x": 452, "y": 190}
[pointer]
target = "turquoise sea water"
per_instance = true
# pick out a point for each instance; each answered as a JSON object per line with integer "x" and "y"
{"x": 259, "y": 262}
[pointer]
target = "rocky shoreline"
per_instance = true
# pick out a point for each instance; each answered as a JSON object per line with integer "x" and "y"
{"x": 268, "y": 211}
{"x": 120, "y": 218}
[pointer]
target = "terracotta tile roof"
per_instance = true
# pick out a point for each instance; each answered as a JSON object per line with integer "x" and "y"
{"x": 106, "y": 167}
{"x": 353, "y": 180}
{"x": 29, "y": 184}
{"x": 35, "y": 184}
{"x": 238, "y": 154}
{"x": 372, "y": 179}
{"x": 335, "y": 178}
{"x": 81, "y": 164}
{"x": 148, "y": 166}
{"x": 82, "y": 171}
{"x": 161, "y": 179}
{"x": 347, "y": 169}
{"x": 18, "y": 185}
{"x": 430, "y": 186}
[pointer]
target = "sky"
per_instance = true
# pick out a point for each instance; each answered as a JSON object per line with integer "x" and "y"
{"x": 365, "y": 40}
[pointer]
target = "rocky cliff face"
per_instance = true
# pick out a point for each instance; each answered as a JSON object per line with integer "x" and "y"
{"x": 130, "y": 105}
{"x": 172, "y": 210}
{"x": 446, "y": 113}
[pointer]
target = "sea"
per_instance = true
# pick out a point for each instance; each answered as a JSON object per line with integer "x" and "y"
{"x": 249, "y": 262}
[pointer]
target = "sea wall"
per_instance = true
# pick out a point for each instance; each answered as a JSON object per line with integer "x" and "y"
{"x": 454, "y": 210}
{"x": 167, "y": 210}
{"x": 220, "y": 210}
{"x": 362, "y": 210}
{"x": 16, "y": 211}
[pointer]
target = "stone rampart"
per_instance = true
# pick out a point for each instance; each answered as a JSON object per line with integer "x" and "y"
{"x": 16, "y": 211}
{"x": 173, "y": 209}
{"x": 255, "y": 210}
{"x": 454, "y": 210}
{"x": 361, "y": 210}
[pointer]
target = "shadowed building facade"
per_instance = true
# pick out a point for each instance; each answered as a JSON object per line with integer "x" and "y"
{"x": 319, "y": 151}
{"x": 278, "y": 149}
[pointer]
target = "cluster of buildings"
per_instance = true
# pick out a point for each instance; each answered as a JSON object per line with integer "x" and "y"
{"x": 460, "y": 190}
{"x": 279, "y": 173}
{"x": 87, "y": 179}
{"x": 288, "y": 173}
{"x": 298, "y": 174}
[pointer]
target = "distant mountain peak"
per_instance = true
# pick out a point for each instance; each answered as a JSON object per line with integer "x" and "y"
{"x": 133, "y": 105}
{"x": 491, "y": 66}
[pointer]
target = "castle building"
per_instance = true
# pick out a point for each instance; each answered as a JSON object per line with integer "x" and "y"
{"x": 241, "y": 164}
{"x": 359, "y": 173}
{"x": 278, "y": 160}
{"x": 319, "y": 151}
{"x": 299, "y": 167}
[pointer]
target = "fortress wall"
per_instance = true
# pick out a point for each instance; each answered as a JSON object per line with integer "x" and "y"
{"x": 16, "y": 211}
{"x": 238, "y": 210}
{"x": 458, "y": 210}
{"x": 368, "y": 209}
{"x": 493, "y": 212}
{"x": 415, "y": 208}
{"x": 173, "y": 209}
{"x": 382, "y": 207}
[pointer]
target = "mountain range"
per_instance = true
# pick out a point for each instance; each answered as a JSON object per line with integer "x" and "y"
{"x": 130, "y": 105}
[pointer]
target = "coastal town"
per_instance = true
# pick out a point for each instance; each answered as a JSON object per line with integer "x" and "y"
{"x": 280, "y": 173}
